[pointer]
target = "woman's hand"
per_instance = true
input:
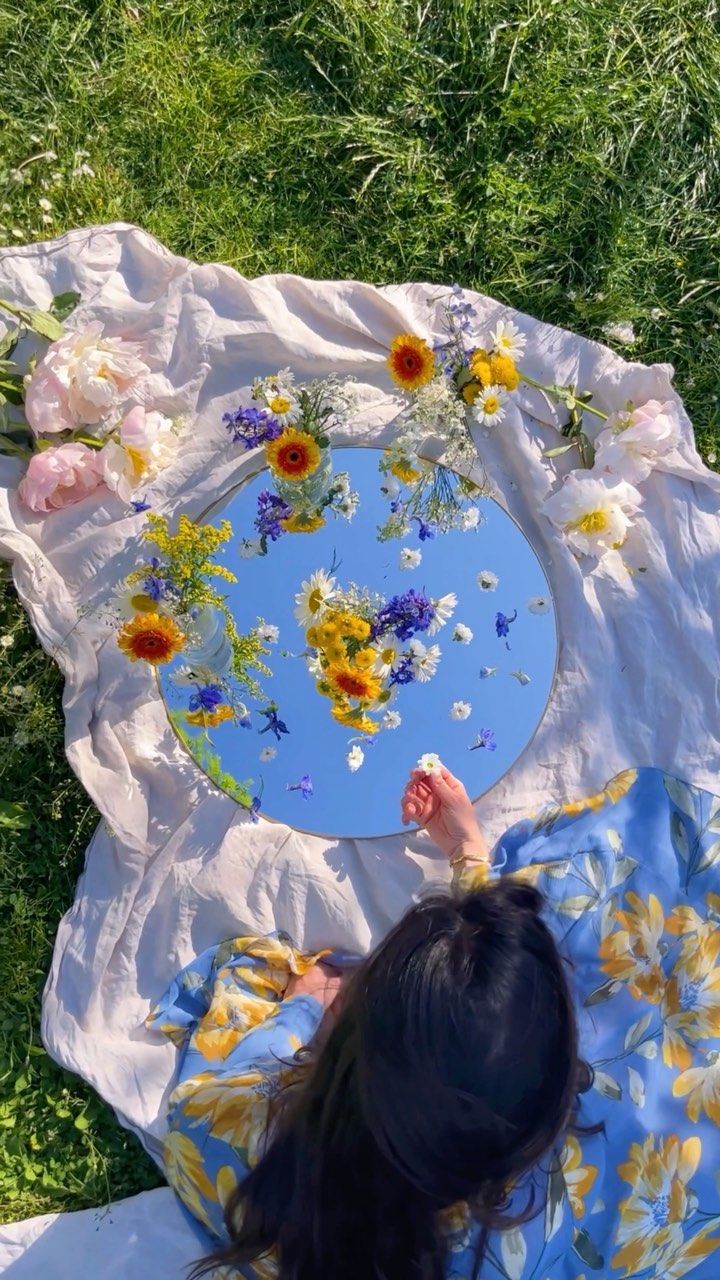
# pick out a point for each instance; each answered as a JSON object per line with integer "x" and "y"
{"x": 439, "y": 803}
{"x": 322, "y": 982}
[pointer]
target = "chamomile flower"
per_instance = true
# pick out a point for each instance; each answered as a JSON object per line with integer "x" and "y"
{"x": 539, "y": 604}
{"x": 460, "y": 711}
{"x": 268, "y": 633}
{"x": 487, "y": 580}
{"x": 409, "y": 558}
{"x": 470, "y": 519}
{"x": 424, "y": 660}
{"x": 429, "y": 763}
{"x": 267, "y": 754}
{"x": 389, "y": 656}
{"x": 488, "y": 407}
{"x": 391, "y": 720}
{"x": 355, "y": 758}
{"x": 507, "y": 339}
{"x": 461, "y": 633}
{"x": 314, "y": 597}
{"x": 444, "y": 609}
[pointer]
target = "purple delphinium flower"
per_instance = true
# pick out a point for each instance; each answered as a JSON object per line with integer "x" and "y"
{"x": 251, "y": 427}
{"x": 304, "y": 786}
{"x": 503, "y": 624}
{"x": 486, "y": 739}
{"x": 403, "y": 673}
{"x": 138, "y": 505}
{"x": 404, "y": 615}
{"x": 425, "y": 531}
{"x": 158, "y": 588}
{"x": 270, "y": 511}
{"x": 207, "y": 697}
{"x": 254, "y": 809}
{"x": 274, "y": 725}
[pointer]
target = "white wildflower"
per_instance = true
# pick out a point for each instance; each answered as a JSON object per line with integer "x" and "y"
{"x": 488, "y": 406}
{"x": 424, "y": 660}
{"x": 444, "y": 609}
{"x": 429, "y": 763}
{"x": 620, "y": 331}
{"x": 267, "y": 754}
{"x": 507, "y": 339}
{"x": 268, "y": 633}
{"x": 7, "y": 641}
{"x": 460, "y": 711}
{"x": 539, "y": 604}
{"x": 391, "y": 720}
{"x": 355, "y": 758}
{"x": 409, "y": 558}
{"x": 470, "y": 519}
{"x": 487, "y": 580}
{"x": 462, "y": 634}
{"x": 631, "y": 443}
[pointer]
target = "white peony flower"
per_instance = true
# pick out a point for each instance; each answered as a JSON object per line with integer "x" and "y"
{"x": 391, "y": 720}
{"x": 146, "y": 442}
{"x": 521, "y": 677}
{"x": 429, "y": 763}
{"x": 620, "y": 331}
{"x": 355, "y": 758}
{"x": 488, "y": 406}
{"x": 314, "y": 597}
{"x": 539, "y": 604}
{"x": 424, "y": 660}
{"x": 460, "y": 711}
{"x": 81, "y": 380}
{"x": 632, "y": 442}
{"x": 410, "y": 559}
{"x": 507, "y": 339}
{"x": 444, "y": 608}
{"x": 487, "y": 580}
{"x": 470, "y": 519}
{"x": 462, "y": 634}
{"x": 595, "y": 516}
{"x": 268, "y": 633}
{"x": 267, "y": 754}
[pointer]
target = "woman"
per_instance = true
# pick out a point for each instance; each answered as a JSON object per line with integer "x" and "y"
{"x": 422, "y": 1119}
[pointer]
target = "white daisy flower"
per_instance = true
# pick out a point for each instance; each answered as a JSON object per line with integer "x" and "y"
{"x": 429, "y": 763}
{"x": 355, "y": 758}
{"x": 424, "y": 660}
{"x": 410, "y": 559}
{"x": 7, "y": 641}
{"x": 267, "y": 754}
{"x": 486, "y": 672}
{"x": 487, "y": 580}
{"x": 521, "y": 677}
{"x": 594, "y": 516}
{"x": 620, "y": 331}
{"x": 314, "y": 597}
{"x": 507, "y": 339}
{"x": 391, "y": 720}
{"x": 129, "y": 599}
{"x": 342, "y": 483}
{"x": 390, "y": 487}
{"x": 249, "y": 548}
{"x": 314, "y": 666}
{"x": 470, "y": 519}
{"x": 539, "y": 604}
{"x": 462, "y": 634}
{"x": 186, "y": 676}
{"x": 444, "y": 610}
{"x": 488, "y": 407}
{"x": 460, "y": 711}
{"x": 389, "y": 656}
{"x": 268, "y": 633}
{"x": 284, "y": 407}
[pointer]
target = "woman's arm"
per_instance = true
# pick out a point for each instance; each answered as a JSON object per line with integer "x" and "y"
{"x": 440, "y": 804}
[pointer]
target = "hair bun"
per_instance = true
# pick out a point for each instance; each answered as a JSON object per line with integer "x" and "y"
{"x": 497, "y": 899}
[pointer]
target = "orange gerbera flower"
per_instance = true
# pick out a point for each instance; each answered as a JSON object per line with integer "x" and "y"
{"x": 294, "y": 456}
{"x": 411, "y": 361}
{"x": 152, "y": 638}
{"x": 351, "y": 683}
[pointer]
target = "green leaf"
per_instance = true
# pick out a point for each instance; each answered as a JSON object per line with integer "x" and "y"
{"x": 607, "y": 1086}
{"x": 45, "y": 325}
{"x": 12, "y": 388}
{"x": 586, "y": 1249}
{"x": 63, "y": 303}
{"x": 555, "y": 453}
{"x": 14, "y": 816}
{"x": 82, "y": 1122}
{"x": 8, "y": 342}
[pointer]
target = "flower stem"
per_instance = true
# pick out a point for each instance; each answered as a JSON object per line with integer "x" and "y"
{"x": 551, "y": 390}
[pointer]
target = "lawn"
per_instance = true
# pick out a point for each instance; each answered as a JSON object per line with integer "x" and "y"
{"x": 561, "y": 155}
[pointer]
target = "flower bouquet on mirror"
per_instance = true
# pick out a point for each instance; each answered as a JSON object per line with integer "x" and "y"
{"x": 292, "y": 423}
{"x": 362, "y": 649}
{"x": 79, "y": 415}
{"x": 468, "y": 378}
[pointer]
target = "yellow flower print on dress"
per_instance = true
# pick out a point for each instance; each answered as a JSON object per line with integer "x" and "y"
{"x": 579, "y": 1177}
{"x": 631, "y": 953}
{"x": 614, "y": 791}
{"x": 700, "y": 945}
{"x": 455, "y": 1224}
{"x": 185, "y": 1171}
{"x": 231, "y": 1015}
{"x": 691, "y": 1012}
{"x": 235, "y": 1108}
{"x": 701, "y": 1086}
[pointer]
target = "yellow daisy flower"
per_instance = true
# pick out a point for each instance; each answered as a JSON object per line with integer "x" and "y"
{"x": 480, "y": 367}
{"x": 503, "y": 371}
{"x": 404, "y": 472}
{"x": 294, "y": 456}
{"x": 411, "y": 361}
{"x": 691, "y": 1012}
{"x": 471, "y": 391}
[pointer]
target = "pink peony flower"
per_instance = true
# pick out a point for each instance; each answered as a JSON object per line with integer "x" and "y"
{"x": 60, "y": 476}
{"x": 633, "y": 442}
{"x": 81, "y": 379}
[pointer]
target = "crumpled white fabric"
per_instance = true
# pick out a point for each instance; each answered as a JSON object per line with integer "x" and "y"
{"x": 176, "y": 866}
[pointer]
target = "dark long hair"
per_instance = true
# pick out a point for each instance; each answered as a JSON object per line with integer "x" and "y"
{"x": 451, "y": 1070}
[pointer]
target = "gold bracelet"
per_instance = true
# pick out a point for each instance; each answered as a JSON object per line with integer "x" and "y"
{"x": 464, "y": 857}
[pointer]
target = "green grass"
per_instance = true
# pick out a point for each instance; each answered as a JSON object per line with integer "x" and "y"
{"x": 561, "y": 155}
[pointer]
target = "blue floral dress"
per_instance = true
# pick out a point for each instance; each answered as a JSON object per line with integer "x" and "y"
{"x": 632, "y": 883}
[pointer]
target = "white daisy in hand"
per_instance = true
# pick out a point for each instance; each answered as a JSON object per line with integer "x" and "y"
{"x": 444, "y": 610}
{"x": 460, "y": 711}
{"x": 424, "y": 660}
{"x": 391, "y": 720}
{"x": 488, "y": 407}
{"x": 429, "y": 763}
{"x": 594, "y": 516}
{"x": 632, "y": 443}
{"x": 539, "y": 604}
{"x": 462, "y": 634}
{"x": 314, "y": 597}
{"x": 487, "y": 580}
{"x": 355, "y": 758}
{"x": 267, "y": 754}
{"x": 410, "y": 559}
{"x": 507, "y": 339}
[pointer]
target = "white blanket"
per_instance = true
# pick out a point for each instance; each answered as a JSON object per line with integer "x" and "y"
{"x": 176, "y": 866}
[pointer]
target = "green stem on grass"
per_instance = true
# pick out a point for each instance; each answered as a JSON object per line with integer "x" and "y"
{"x": 551, "y": 391}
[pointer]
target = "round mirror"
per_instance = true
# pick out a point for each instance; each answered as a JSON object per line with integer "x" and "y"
{"x": 470, "y": 687}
